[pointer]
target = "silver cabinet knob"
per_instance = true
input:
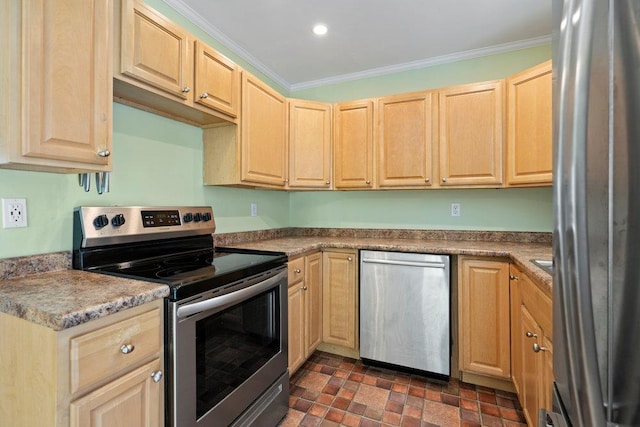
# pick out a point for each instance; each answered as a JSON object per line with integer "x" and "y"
{"x": 297, "y": 271}
{"x": 304, "y": 288}
{"x": 444, "y": 179}
{"x": 157, "y": 376}
{"x": 327, "y": 182}
{"x": 367, "y": 182}
{"x": 530, "y": 334}
{"x": 427, "y": 179}
{"x": 286, "y": 181}
{"x": 537, "y": 348}
{"x": 349, "y": 259}
{"x": 104, "y": 153}
{"x": 186, "y": 89}
{"x": 512, "y": 277}
{"x": 204, "y": 95}
{"x": 127, "y": 348}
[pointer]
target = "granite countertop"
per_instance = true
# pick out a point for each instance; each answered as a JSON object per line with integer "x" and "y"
{"x": 66, "y": 298}
{"x": 519, "y": 253}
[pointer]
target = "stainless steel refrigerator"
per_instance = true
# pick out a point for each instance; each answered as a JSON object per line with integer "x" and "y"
{"x": 596, "y": 288}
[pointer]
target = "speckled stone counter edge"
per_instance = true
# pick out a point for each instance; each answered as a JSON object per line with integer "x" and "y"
{"x": 228, "y": 239}
{"x": 22, "y": 266}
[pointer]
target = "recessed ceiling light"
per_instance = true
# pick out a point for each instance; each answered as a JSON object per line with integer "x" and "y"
{"x": 320, "y": 29}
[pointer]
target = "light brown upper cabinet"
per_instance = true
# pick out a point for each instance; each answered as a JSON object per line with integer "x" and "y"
{"x": 471, "y": 134}
{"x": 353, "y": 145}
{"x": 157, "y": 64}
{"x": 405, "y": 140}
{"x": 309, "y": 144}
{"x": 264, "y": 134}
{"x": 56, "y": 106}
{"x": 529, "y": 136}
{"x": 217, "y": 80}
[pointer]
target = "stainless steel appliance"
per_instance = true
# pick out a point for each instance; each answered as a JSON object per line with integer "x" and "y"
{"x": 226, "y": 315}
{"x": 405, "y": 310}
{"x": 596, "y": 288}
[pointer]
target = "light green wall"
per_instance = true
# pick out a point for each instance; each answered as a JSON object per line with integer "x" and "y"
{"x": 156, "y": 161}
{"x": 489, "y": 209}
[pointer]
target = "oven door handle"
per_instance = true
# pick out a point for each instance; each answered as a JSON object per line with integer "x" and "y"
{"x": 230, "y": 298}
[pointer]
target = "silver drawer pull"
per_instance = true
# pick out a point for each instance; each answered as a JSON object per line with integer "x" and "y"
{"x": 537, "y": 348}
{"x": 157, "y": 376}
{"x": 127, "y": 348}
{"x": 297, "y": 271}
{"x": 530, "y": 334}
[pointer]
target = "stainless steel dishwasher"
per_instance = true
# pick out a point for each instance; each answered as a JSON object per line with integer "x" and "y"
{"x": 405, "y": 310}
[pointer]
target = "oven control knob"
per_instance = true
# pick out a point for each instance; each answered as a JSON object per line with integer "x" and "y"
{"x": 118, "y": 220}
{"x": 188, "y": 217}
{"x": 197, "y": 217}
{"x": 100, "y": 221}
{"x": 206, "y": 216}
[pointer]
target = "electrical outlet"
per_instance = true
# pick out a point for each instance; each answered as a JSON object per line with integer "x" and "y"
{"x": 254, "y": 209}
{"x": 14, "y": 213}
{"x": 455, "y": 209}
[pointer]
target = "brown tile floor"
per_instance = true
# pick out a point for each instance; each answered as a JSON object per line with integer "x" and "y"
{"x": 330, "y": 390}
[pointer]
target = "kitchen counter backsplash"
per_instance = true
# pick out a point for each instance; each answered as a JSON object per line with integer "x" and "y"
{"x": 229, "y": 239}
{"x": 25, "y": 265}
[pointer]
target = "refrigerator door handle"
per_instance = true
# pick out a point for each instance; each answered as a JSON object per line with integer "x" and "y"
{"x": 575, "y": 362}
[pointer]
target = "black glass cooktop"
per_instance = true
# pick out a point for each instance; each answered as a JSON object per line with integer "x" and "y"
{"x": 193, "y": 273}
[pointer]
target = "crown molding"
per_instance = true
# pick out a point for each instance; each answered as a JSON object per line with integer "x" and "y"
{"x": 197, "y": 19}
{"x": 414, "y": 65}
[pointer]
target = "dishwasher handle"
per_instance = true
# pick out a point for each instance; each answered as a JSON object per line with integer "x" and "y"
{"x": 425, "y": 264}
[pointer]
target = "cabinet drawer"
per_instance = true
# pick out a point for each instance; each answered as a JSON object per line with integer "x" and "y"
{"x": 296, "y": 269}
{"x": 99, "y": 354}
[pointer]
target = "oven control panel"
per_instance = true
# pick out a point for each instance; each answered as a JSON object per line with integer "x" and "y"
{"x": 109, "y": 225}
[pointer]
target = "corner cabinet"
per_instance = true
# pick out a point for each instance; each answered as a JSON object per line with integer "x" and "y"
{"x": 484, "y": 316}
{"x": 309, "y": 144}
{"x": 57, "y": 96}
{"x": 529, "y": 128}
{"x": 471, "y": 134}
{"x": 353, "y": 145}
{"x": 340, "y": 300}
{"x": 263, "y": 133}
{"x": 104, "y": 372}
{"x": 406, "y": 140}
{"x": 532, "y": 349}
{"x": 305, "y": 308}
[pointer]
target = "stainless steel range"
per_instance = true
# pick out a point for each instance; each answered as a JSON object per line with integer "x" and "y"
{"x": 226, "y": 315}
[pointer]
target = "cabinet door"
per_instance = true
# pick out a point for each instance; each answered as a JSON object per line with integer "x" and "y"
{"x": 264, "y": 124}
{"x": 313, "y": 300}
{"x": 405, "y": 142}
{"x": 353, "y": 145}
{"x": 67, "y": 81}
{"x": 529, "y": 137}
{"x": 532, "y": 380}
{"x": 339, "y": 290}
{"x": 296, "y": 320}
{"x": 484, "y": 317}
{"x": 154, "y": 50}
{"x": 134, "y": 400}
{"x": 217, "y": 80}
{"x": 471, "y": 129}
{"x": 309, "y": 144}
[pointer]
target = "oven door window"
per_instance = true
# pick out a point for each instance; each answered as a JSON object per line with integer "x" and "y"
{"x": 233, "y": 344}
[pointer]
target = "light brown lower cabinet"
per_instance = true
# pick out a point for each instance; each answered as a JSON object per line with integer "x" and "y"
{"x": 484, "y": 316}
{"x": 81, "y": 376}
{"x": 305, "y": 308}
{"x": 532, "y": 350}
{"x": 340, "y": 298}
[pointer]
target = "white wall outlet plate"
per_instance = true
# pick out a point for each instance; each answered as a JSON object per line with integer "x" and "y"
{"x": 455, "y": 209}
{"x": 254, "y": 209}
{"x": 14, "y": 213}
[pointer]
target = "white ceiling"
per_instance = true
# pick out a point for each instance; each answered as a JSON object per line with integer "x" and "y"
{"x": 366, "y": 37}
